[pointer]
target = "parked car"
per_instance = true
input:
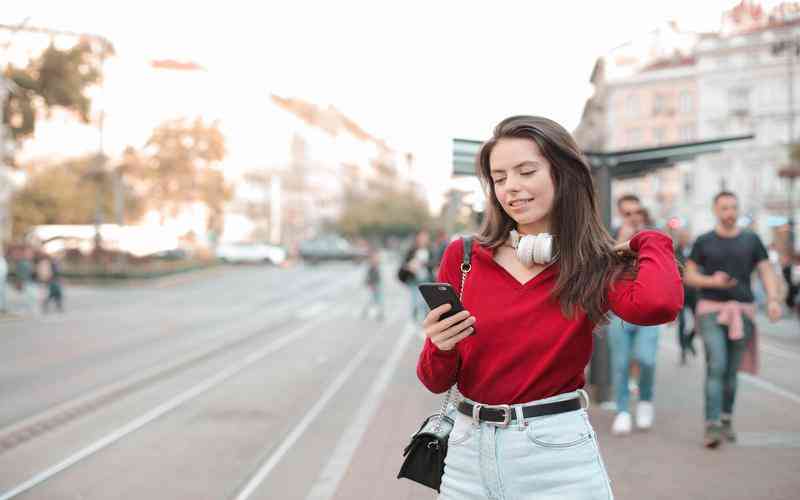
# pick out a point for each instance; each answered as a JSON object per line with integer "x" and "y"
{"x": 251, "y": 253}
{"x": 327, "y": 248}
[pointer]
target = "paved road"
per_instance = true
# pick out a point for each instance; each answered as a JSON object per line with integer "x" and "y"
{"x": 265, "y": 383}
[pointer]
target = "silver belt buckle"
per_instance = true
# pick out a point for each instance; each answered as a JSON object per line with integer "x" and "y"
{"x": 506, "y": 421}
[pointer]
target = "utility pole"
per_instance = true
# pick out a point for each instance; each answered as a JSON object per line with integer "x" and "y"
{"x": 5, "y": 182}
{"x": 275, "y": 214}
{"x": 6, "y": 87}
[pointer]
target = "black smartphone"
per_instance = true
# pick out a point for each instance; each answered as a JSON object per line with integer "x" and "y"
{"x": 437, "y": 294}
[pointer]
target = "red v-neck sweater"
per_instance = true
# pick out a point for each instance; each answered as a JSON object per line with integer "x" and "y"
{"x": 524, "y": 348}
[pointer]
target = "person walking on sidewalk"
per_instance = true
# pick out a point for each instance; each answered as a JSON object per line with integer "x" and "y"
{"x": 373, "y": 281}
{"x": 683, "y": 248}
{"x": 544, "y": 272}
{"x": 48, "y": 272}
{"x": 3, "y": 279}
{"x": 630, "y": 342}
{"x": 416, "y": 269}
{"x": 720, "y": 266}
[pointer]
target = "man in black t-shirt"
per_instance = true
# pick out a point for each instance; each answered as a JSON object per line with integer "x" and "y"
{"x": 720, "y": 266}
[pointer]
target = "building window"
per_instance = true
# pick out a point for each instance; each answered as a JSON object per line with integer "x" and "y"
{"x": 632, "y": 106}
{"x": 659, "y": 135}
{"x": 686, "y": 101}
{"x": 739, "y": 101}
{"x": 687, "y": 133}
{"x": 634, "y": 137}
{"x": 659, "y": 104}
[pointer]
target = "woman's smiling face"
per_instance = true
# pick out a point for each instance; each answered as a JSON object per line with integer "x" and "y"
{"x": 522, "y": 183}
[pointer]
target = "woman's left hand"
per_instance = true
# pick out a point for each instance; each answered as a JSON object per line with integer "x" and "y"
{"x": 624, "y": 247}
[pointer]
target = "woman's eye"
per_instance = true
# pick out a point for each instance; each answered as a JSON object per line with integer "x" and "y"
{"x": 529, "y": 172}
{"x": 498, "y": 181}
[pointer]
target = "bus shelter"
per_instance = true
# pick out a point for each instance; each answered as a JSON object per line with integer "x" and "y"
{"x": 607, "y": 166}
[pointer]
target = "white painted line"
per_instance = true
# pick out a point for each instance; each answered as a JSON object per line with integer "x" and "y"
{"x": 229, "y": 336}
{"x": 309, "y": 417}
{"x": 752, "y": 379}
{"x": 776, "y": 351}
{"x": 160, "y": 410}
{"x": 312, "y": 310}
{"x": 333, "y": 472}
{"x": 769, "y": 386}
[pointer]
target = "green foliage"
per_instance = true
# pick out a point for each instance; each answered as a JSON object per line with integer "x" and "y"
{"x": 57, "y": 78}
{"x": 67, "y": 193}
{"x": 794, "y": 153}
{"x": 387, "y": 212}
{"x": 178, "y": 168}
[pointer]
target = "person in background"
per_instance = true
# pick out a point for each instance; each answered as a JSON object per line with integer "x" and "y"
{"x": 23, "y": 270}
{"x": 720, "y": 266}
{"x": 683, "y": 248}
{"x": 373, "y": 281}
{"x": 629, "y": 342}
{"x": 437, "y": 250}
{"x": 3, "y": 279}
{"x": 48, "y": 272}
{"x": 792, "y": 287}
{"x": 418, "y": 266}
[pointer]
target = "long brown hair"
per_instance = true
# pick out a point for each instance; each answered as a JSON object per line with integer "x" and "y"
{"x": 587, "y": 263}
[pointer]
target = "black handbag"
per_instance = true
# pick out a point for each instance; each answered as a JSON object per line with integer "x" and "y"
{"x": 424, "y": 455}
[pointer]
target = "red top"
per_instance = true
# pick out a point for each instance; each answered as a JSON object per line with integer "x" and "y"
{"x": 524, "y": 348}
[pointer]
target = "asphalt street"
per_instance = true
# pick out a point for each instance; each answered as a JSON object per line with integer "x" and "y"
{"x": 244, "y": 382}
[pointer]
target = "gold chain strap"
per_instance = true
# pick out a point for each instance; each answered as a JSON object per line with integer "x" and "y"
{"x": 465, "y": 268}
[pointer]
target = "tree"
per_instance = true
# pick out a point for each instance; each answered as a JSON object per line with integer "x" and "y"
{"x": 388, "y": 212}
{"x": 180, "y": 161}
{"x": 57, "y": 78}
{"x": 66, "y": 193}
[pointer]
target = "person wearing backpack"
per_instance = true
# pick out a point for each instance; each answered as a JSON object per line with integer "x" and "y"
{"x": 416, "y": 268}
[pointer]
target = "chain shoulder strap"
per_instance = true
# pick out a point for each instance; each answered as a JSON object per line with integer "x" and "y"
{"x": 466, "y": 267}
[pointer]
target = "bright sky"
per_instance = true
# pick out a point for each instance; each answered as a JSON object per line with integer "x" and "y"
{"x": 416, "y": 73}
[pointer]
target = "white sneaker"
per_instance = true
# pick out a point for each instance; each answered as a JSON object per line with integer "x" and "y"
{"x": 644, "y": 415}
{"x": 622, "y": 424}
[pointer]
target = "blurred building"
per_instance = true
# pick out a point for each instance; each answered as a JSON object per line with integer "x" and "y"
{"x": 320, "y": 159}
{"x": 673, "y": 87}
{"x": 301, "y": 157}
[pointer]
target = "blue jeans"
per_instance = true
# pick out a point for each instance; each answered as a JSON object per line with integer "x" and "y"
{"x": 723, "y": 357}
{"x": 628, "y": 341}
{"x": 551, "y": 457}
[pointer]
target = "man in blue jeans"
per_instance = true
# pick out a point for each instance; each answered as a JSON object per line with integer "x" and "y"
{"x": 720, "y": 265}
{"x": 628, "y": 341}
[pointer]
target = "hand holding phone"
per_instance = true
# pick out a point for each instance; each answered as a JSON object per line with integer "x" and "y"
{"x": 448, "y": 322}
{"x": 437, "y": 294}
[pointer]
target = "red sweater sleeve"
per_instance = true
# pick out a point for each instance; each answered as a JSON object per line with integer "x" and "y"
{"x": 437, "y": 369}
{"x": 655, "y": 296}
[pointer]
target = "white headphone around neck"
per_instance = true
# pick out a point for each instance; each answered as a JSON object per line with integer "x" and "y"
{"x": 532, "y": 248}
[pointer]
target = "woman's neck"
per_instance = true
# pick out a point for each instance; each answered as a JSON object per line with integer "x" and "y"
{"x": 535, "y": 228}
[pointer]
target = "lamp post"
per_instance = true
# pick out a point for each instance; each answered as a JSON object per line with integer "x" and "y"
{"x": 792, "y": 47}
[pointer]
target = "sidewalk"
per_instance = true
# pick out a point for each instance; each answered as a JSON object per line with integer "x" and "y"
{"x": 786, "y": 328}
{"x": 668, "y": 462}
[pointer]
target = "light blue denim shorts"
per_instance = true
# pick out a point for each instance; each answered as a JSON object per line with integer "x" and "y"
{"x": 548, "y": 457}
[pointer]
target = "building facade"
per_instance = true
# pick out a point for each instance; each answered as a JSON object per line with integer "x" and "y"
{"x": 737, "y": 81}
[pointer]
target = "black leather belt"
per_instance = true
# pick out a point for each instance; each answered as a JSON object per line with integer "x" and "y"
{"x": 502, "y": 415}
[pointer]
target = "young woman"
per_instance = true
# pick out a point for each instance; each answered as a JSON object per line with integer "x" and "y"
{"x": 518, "y": 352}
